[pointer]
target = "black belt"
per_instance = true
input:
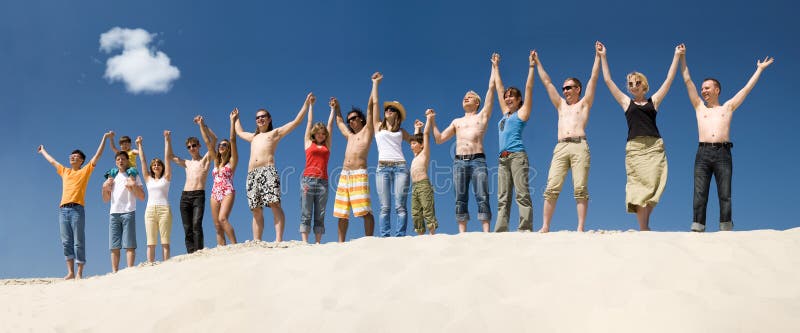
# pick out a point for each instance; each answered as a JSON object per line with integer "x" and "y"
{"x": 70, "y": 204}
{"x": 470, "y": 156}
{"x": 573, "y": 139}
{"x": 717, "y": 144}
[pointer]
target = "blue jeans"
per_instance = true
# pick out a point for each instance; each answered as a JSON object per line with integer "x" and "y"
{"x": 473, "y": 171}
{"x": 71, "y": 221}
{"x": 122, "y": 231}
{"x": 714, "y": 161}
{"x": 313, "y": 198}
{"x": 392, "y": 182}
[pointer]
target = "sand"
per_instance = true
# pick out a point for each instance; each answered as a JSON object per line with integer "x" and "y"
{"x": 601, "y": 281}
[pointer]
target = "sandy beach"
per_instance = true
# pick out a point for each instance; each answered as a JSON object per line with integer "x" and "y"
{"x": 599, "y": 281}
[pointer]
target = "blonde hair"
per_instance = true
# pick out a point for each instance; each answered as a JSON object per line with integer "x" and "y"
{"x": 472, "y": 92}
{"x": 641, "y": 77}
{"x": 315, "y": 129}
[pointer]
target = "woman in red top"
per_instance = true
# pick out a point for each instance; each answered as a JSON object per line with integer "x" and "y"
{"x": 314, "y": 194}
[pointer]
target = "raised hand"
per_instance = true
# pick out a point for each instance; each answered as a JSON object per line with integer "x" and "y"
{"x": 333, "y": 103}
{"x": 600, "y": 48}
{"x": 429, "y": 113}
{"x": 234, "y": 114}
{"x": 40, "y": 149}
{"x": 680, "y": 49}
{"x": 310, "y": 98}
{"x": 198, "y": 119}
{"x": 418, "y": 124}
{"x": 377, "y": 77}
{"x": 111, "y": 134}
{"x": 167, "y": 133}
{"x": 495, "y": 59}
{"x": 138, "y": 140}
{"x": 764, "y": 64}
{"x": 532, "y": 58}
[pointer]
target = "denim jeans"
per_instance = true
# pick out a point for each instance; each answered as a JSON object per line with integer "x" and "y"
{"x": 71, "y": 222}
{"x": 473, "y": 171}
{"x": 193, "y": 204}
{"x": 512, "y": 174}
{"x": 714, "y": 161}
{"x": 392, "y": 182}
{"x": 313, "y": 199}
{"x": 122, "y": 231}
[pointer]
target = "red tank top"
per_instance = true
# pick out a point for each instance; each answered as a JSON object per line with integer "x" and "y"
{"x": 317, "y": 161}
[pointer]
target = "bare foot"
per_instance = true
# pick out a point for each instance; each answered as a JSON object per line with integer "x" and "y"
{"x": 78, "y": 277}
{"x": 544, "y": 230}
{"x": 69, "y": 276}
{"x": 580, "y": 229}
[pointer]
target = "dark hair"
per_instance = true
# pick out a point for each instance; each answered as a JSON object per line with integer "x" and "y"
{"x": 719, "y": 86}
{"x": 360, "y": 114}
{"x": 418, "y": 138}
{"x": 222, "y": 160}
{"x": 154, "y": 161}
{"x": 513, "y": 91}
{"x": 192, "y": 139}
{"x": 124, "y": 138}
{"x": 80, "y": 153}
{"x": 577, "y": 82}
{"x": 122, "y": 153}
{"x": 269, "y": 127}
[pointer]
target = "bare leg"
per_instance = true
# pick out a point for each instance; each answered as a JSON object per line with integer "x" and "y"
{"x": 224, "y": 214}
{"x": 369, "y": 225}
{"x": 114, "y": 260}
{"x": 80, "y": 272}
{"x": 485, "y": 225}
{"x": 258, "y": 223}
{"x": 433, "y": 231}
{"x": 583, "y": 206}
{"x": 342, "y": 229}
{"x": 70, "y": 269}
{"x": 304, "y": 237}
{"x": 280, "y": 220}
{"x": 318, "y": 238}
{"x": 165, "y": 251}
{"x": 549, "y": 208}
{"x": 151, "y": 253}
{"x": 643, "y": 217}
{"x": 130, "y": 255}
{"x": 215, "y": 217}
{"x": 462, "y": 226}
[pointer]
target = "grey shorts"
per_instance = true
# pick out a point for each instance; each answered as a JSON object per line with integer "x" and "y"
{"x": 263, "y": 187}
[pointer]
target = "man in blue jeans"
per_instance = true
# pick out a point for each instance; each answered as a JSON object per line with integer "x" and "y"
{"x": 71, "y": 214}
{"x": 469, "y": 164}
{"x": 122, "y": 189}
{"x": 714, "y": 151}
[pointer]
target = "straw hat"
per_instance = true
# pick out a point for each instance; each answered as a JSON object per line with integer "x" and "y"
{"x": 398, "y": 106}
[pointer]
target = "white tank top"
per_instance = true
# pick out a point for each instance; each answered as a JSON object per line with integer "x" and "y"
{"x": 390, "y": 147}
{"x": 157, "y": 190}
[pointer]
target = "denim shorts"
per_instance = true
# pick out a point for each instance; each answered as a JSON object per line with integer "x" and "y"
{"x": 122, "y": 231}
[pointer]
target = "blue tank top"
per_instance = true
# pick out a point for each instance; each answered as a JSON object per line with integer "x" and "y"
{"x": 510, "y": 129}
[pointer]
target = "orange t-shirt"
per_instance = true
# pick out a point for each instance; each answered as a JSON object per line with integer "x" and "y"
{"x": 73, "y": 183}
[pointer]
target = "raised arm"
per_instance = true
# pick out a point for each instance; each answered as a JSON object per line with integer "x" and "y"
{"x": 426, "y": 133}
{"x": 525, "y": 110}
{"x": 552, "y": 92}
{"x": 99, "y": 152}
{"x": 486, "y": 112}
{"x": 622, "y": 99}
{"x": 167, "y": 156}
{"x": 111, "y": 143}
{"x": 694, "y": 98}
{"x": 659, "y": 95}
{"x": 329, "y": 127}
{"x": 234, "y": 149}
{"x": 373, "y": 107}
{"x": 290, "y": 126}
{"x": 498, "y": 82}
{"x": 179, "y": 161}
{"x": 737, "y": 99}
{"x": 210, "y": 140}
{"x": 340, "y": 122}
{"x": 443, "y": 136}
{"x": 47, "y": 156}
{"x": 142, "y": 159}
{"x": 309, "y": 124}
{"x": 246, "y": 136}
{"x": 591, "y": 87}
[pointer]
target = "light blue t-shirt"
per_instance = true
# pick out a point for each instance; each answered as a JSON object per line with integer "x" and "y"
{"x": 510, "y": 129}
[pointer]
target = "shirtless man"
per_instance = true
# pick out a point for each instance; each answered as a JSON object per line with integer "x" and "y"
{"x": 263, "y": 182}
{"x": 469, "y": 164}
{"x": 714, "y": 151}
{"x": 353, "y": 189}
{"x": 71, "y": 213}
{"x": 193, "y": 197}
{"x": 572, "y": 150}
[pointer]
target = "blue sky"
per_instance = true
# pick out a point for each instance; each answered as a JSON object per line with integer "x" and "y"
{"x": 271, "y": 55}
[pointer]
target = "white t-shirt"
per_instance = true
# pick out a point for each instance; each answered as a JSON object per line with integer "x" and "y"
{"x": 390, "y": 147}
{"x": 123, "y": 200}
{"x": 157, "y": 190}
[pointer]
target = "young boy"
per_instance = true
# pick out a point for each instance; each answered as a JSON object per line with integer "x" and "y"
{"x": 422, "y": 208}
{"x": 124, "y": 145}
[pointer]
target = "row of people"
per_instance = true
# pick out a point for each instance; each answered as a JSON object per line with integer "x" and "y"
{"x": 646, "y": 164}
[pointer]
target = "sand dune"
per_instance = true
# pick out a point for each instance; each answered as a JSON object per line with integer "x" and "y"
{"x": 514, "y": 282}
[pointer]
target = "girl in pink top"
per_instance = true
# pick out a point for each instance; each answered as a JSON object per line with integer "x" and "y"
{"x": 314, "y": 191}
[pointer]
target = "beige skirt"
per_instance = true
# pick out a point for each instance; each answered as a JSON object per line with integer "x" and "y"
{"x": 646, "y": 166}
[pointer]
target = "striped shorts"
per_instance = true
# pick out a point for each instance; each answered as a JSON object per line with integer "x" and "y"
{"x": 352, "y": 191}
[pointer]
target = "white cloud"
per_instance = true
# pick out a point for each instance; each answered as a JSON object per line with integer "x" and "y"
{"x": 144, "y": 70}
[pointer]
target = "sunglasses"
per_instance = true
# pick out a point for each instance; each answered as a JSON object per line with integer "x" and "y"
{"x": 261, "y": 116}
{"x": 392, "y": 109}
{"x": 194, "y": 145}
{"x": 568, "y": 88}
{"x": 223, "y": 144}
{"x": 634, "y": 84}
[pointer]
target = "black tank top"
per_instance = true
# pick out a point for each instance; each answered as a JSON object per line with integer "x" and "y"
{"x": 641, "y": 120}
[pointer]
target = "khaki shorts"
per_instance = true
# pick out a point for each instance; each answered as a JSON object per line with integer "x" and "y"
{"x": 569, "y": 155}
{"x": 157, "y": 222}
{"x": 646, "y": 166}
